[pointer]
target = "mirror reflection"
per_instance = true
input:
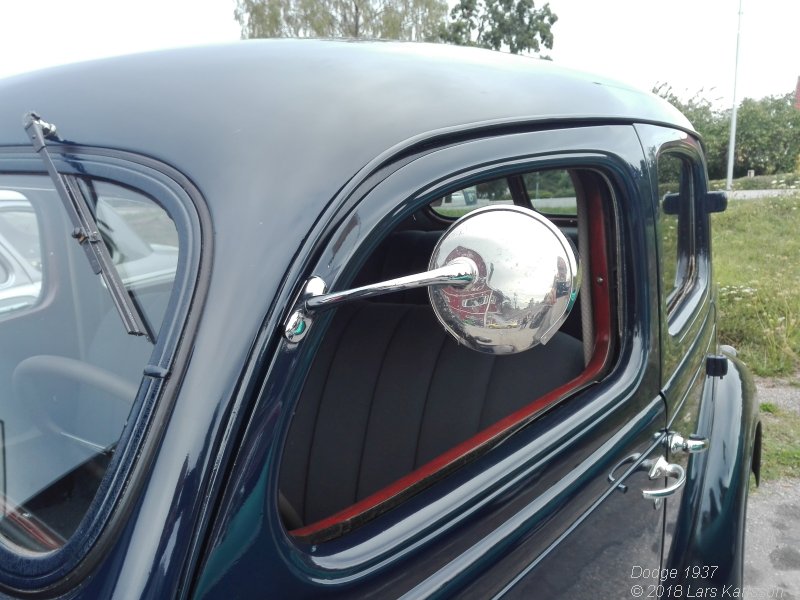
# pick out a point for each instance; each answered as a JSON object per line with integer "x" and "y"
{"x": 526, "y": 285}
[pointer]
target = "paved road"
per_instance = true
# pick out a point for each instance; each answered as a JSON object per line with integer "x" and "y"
{"x": 772, "y": 540}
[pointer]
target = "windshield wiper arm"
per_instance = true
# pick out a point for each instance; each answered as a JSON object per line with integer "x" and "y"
{"x": 86, "y": 231}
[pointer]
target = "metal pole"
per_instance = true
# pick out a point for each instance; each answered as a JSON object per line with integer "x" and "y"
{"x": 732, "y": 140}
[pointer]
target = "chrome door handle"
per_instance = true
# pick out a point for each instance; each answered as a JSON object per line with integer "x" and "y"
{"x": 661, "y": 468}
{"x": 677, "y": 443}
{"x": 628, "y": 459}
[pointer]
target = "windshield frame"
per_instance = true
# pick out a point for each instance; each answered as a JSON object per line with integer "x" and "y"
{"x": 22, "y": 571}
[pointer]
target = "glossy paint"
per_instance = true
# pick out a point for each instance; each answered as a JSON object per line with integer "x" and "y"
{"x": 710, "y": 529}
{"x": 301, "y": 148}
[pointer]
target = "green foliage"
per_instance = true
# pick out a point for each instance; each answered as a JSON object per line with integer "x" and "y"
{"x": 769, "y": 407}
{"x": 496, "y": 189}
{"x": 415, "y": 20}
{"x": 516, "y": 25}
{"x": 767, "y": 138}
{"x": 549, "y": 184}
{"x": 712, "y": 124}
{"x": 756, "y": 267}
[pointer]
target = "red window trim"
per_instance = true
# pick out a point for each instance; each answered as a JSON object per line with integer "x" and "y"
{"x": 384, "y": 499}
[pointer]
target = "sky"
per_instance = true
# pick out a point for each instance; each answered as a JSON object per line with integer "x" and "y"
{"x": 688, "y": 44}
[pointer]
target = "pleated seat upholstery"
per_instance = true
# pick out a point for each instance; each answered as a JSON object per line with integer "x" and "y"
{"x": 388, "y": 391}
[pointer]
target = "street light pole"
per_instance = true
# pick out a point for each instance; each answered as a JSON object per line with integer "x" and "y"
{"x": 732, "y": 140}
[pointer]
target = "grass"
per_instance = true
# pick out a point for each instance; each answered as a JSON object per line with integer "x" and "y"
{"x": 756, "y": 250}
{"x": 769, "y": 407}
{"x": 780, "y": 453}
{"x": 781, "y": 181}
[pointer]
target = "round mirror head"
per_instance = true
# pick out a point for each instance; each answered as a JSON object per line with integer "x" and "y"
{"x": 526, "y": 284}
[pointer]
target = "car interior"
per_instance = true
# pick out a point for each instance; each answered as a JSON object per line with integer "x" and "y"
{"x": 393, "y": 403}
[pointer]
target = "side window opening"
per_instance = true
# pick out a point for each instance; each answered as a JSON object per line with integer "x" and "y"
{"x": 550, "y": 192}
{"x": 392, "y": 402}
{"x": 69, "y": 396}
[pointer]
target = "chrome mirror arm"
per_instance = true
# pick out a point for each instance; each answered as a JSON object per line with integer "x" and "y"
{"x": 460, "y": 272}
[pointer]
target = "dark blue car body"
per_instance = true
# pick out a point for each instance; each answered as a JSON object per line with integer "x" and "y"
{"x": 286, "y": 159}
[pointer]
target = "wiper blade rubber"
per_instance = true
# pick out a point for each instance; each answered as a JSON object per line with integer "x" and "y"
{"x": 85, "y": 229}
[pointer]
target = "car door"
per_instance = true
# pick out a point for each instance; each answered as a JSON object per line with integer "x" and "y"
{"x": 549, "y": 499}
{"x": 688, "y": 316}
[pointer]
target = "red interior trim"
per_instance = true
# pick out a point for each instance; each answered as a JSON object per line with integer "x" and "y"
{"x": 35, "y": 529}
{"x": 601, "y": 304}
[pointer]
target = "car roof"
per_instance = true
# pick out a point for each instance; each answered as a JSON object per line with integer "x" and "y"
{"x": 379, "y": 93}
{"x": 278, "y": 127}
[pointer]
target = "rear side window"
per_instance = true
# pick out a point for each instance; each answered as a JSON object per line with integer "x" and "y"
{"x": 70, "y": 371}
{"x": 677, "y": 219}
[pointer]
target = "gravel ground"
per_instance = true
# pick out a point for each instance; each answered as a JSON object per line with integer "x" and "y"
{"x": 772, "y": 541}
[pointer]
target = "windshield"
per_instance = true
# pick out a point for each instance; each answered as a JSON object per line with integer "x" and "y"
{"x": 69, "y": 370}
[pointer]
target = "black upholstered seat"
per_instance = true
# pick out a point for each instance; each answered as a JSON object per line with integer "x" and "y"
{"x": 388, "y": 391}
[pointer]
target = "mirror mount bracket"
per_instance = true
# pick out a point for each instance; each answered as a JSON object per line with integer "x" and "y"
{"x": 460, "y": 272}
{"x": 299, "y": 321}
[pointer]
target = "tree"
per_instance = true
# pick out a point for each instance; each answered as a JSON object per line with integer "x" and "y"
{"x": 712, "y": 124}
{"x": 415, "y": 20}
{"x": 516, "y": 25}
{"x": 768, "y": 139}
{"x": 767, "y": 132}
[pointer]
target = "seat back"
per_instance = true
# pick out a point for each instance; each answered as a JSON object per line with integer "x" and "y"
{"x": 389, "y": 390}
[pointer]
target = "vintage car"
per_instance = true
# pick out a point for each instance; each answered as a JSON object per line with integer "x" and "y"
{"x": 333, "y": 384}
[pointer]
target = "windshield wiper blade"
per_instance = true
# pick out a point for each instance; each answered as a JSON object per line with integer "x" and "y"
{"x": 86, "y": 231}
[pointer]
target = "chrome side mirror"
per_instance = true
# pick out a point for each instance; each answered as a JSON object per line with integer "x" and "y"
{"x": 501, "y": 280}
{"x": 526, "y": 285}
